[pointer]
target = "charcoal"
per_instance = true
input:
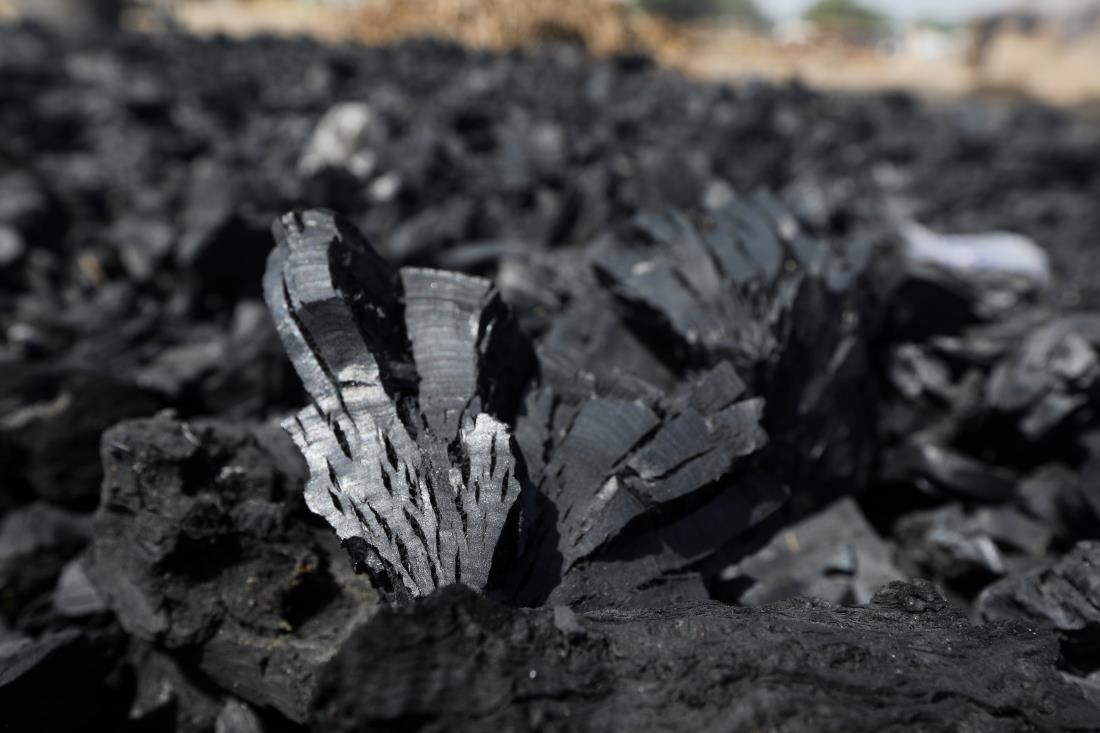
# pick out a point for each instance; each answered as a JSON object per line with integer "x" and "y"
{"x": 1063, "y": 595}
{"x": 213, "y": 224}
{"x": 12, "y": 249}
{"x": 200, "y": 547}
{"x": 750, "y": 287}
{"x": 75, "y": 596}
{"x": 691, "y": 316}
{"x": 955, "y": 545}
{"x": 36, "y": 540}
{"x": 670, "y": 467}
{"x": 166, "y": 698}
{"x": 236, "y": 717}
{"x": 422, "y": 485}
{"x": 52, "y": 420}
{"x": 1050, "y": 376}
{"x": 941, "y": 469}
{"x": 67, "y": 668}
{"x": 1052, "y": 495}
{"x": 833, "y": 555}
{"x": 793, "y": 665}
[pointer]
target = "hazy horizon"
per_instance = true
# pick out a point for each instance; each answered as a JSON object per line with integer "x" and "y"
{"x": 907, "y": 10}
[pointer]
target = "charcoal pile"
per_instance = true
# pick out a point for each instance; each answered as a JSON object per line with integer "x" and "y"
{"x": 416, "y": 388}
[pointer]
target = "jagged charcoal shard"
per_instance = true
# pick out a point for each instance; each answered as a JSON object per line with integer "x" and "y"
{"x": 411, "y": 460}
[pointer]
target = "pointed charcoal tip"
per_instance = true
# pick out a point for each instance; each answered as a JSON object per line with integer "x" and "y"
{"x": 293, "y": 224}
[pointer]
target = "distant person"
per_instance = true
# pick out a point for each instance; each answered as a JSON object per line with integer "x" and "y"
{"x": 73, "y": 17}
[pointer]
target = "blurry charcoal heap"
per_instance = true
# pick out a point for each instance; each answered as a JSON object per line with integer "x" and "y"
{"x": 660, "y": 404}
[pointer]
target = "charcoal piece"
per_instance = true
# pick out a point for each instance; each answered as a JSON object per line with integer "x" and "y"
{"x": 36, "y": 541}
{"x": 1049, "y": 376}
{"x": 936, "y": 468}
{"x": 676, "y": 561}
{"x": 1063, "y": 594}
{"x": 966, "y": 547}
{"x": 67, "y": 668}
{"x": 794, "y": 665}
{"x": 1090, "y": 685}
{"x": 620, "y": 464}
{"x": 144, "y": 246}
{"x": 29, "y": 211}
{"x": 413, "y": 376}
{"x": 51, "y": 419}
{"x": 1052, "y": 495}
{"x": 579, "y": 480}
{"x": 236, "y": 717}
{"x": 239, "y": 370}
{"x": 201, "y": 547}
{"x": 745, "y": 285}
{"x": 945, "y": 543}
{"x": 423, "y": 236}
{"x": 75, "y": 596}
{"x": 166, "y": 697}
{"x": 222, "y": 250}
{"x": 833, "y": 555}
{"x": 578, "y": 340}
{"x": 12, "y": 250}
{"x": 917, "y": 374}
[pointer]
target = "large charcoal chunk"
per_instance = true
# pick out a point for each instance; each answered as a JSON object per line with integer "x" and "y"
{"x": 456, "y": 661}
{"x": 413, "y": 376}
{"x": 201, "y": 547}
{"x": 746, "y": 286}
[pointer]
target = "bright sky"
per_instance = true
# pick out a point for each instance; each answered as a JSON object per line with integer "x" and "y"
{"x": 907, "y": 9}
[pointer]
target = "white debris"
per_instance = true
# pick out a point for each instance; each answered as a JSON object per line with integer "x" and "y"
{"x": 344, "y": 138}
{"x": 996, "y": 253}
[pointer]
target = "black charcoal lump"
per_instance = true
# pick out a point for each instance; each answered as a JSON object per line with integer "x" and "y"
{"x": 201, "y": 548}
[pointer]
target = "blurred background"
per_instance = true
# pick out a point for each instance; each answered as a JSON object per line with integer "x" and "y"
{"x": 1045, "y": 49}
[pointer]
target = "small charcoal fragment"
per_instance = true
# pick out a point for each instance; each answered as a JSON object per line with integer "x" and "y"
{"x": 236, "y": 717}
{"x": 75, "y": 596}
